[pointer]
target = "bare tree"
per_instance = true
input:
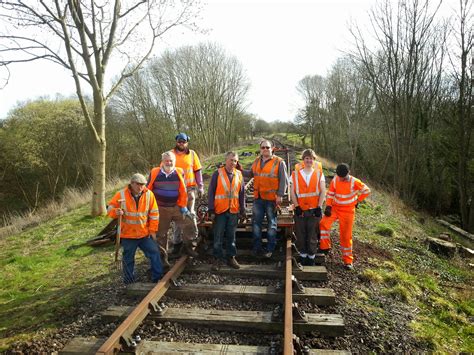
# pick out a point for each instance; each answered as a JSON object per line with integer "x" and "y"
{"x": 403, "y": 66}
{"x": 312, "y": 117}
{"x": 83, "y": 36}
{"x": 202, "y": 90}
{"x": 463, "y": 34}
{"x": 350, "y": 101}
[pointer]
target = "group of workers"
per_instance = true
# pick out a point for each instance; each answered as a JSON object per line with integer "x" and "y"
{"x": 148, "y": 207}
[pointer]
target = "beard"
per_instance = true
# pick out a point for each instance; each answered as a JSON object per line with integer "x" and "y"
{"x": 182, "y": 149}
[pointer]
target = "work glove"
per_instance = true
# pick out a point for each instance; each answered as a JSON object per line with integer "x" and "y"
{"x": 327, "y": 211}
{"x": 298, "y": 211}
{"x": 317, "y": 212}
{"x": 186, "y": 213}
{"x": 201, "y": 192}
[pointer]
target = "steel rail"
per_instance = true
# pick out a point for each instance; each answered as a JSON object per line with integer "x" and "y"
{"x": 128, "y": 326}
{"x": 288, "y": 323}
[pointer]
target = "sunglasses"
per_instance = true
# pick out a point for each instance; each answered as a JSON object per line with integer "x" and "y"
{"x": 181, "y": 141}
{"x": 265, "y": 147}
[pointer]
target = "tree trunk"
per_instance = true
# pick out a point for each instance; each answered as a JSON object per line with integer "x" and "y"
{"x": 99, "y": 150}
{"x": 470, "y": 225}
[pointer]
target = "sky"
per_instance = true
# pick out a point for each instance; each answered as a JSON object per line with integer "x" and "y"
{"x": 277, "y": 43}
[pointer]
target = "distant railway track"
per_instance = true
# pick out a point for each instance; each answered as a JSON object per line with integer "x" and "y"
{"x": 258, "y": 309}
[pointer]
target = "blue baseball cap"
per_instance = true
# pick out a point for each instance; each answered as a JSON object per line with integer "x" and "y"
{"x": 183, "y": 136}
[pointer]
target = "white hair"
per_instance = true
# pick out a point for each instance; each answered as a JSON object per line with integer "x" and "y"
{"x": 169, "y": 154}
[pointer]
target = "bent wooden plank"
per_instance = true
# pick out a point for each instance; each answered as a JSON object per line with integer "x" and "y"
{"x": 90, "y": 345}
{"x": 309, "y": 273}
{"x": 325, "y": 324}
{"x": 169, "y": 348}
{"x": 319, "y": 296}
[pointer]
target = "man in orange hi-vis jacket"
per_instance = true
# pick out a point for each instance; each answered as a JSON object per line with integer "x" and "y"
{"x": 188, "y": 160}
{"x": 345, "y": 192}
{"x": 140, "y": 219}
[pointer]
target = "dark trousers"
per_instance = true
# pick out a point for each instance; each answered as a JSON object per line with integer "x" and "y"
{"x": 306, "y": 234}
{"x": 151, "y": 251}
{"x": 225, "y": 225}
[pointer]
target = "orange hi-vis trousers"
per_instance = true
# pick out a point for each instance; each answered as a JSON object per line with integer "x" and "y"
{"x": 345, "y": 216}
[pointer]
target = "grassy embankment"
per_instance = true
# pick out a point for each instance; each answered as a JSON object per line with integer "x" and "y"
{"x": 42, "y": 280}
{"x": 439, "y": 290}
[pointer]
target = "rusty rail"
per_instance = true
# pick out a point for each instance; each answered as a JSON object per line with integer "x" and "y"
{"x": 288, "y": 323}
{"x": 125, "y": 330}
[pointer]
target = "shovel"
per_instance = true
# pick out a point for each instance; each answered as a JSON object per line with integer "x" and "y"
{"x": 117, "y": 265}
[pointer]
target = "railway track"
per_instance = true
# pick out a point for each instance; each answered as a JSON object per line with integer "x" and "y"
{"x": 261, "y": 308}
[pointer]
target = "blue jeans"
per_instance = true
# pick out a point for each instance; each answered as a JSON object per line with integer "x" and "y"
{"x": 260, "y": 208}
{"x": 151, "y": 251}
{"x": 225, "y": 225}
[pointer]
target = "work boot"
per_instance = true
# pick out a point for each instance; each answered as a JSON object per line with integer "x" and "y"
{"x": 232, "y": 262}
{"x": 309, "y": 261}
{"x": 188, "y": 249}
{"x": 268, "y": 254}
{"x": 349, "y": 267}
{"x": 304, "y": 260}
{"x": 324, "y": 251}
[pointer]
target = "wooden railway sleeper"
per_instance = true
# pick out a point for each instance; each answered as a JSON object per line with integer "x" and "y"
{"x": 175, "y": 283}
{"x": 299, "y": 316}
{"x": 298, "y": 346}
{"x": 130, "y": 342}
{"x": 297, "y": 286}
{"x": 295, "y": 265}
{"x": 158, "y": 308}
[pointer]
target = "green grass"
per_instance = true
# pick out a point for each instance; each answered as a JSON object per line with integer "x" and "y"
{"x": 209, "y": 167}
{"x": 42, "y": 280}
{"x": 440, "y": 289}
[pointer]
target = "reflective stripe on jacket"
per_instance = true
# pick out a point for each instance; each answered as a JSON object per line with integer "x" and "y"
{"x": 346, "y": 193}
{"x": 189, "y": 163}
{"x": 136, "y": 222}
{"x": 265, "y": 181}
{"x": 227, "y": 193}
{"x": 182, "y": 200}
{"x": 308, "y": 196}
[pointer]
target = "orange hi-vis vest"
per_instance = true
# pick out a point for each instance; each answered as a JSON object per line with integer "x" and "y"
{"x": 265, "y": 181}
{"x": 227, "y": 194}
{"x": 189, "y": 163}
{"x": 308, "y": 196}
{"x": 136, "y": 222}
{"x": 346, "y": 193}
{"x": 316, "y": 165}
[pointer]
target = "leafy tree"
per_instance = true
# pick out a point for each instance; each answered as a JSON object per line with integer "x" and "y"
{"x": 45, "y": 147}
{"x": 262, "y": 127}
